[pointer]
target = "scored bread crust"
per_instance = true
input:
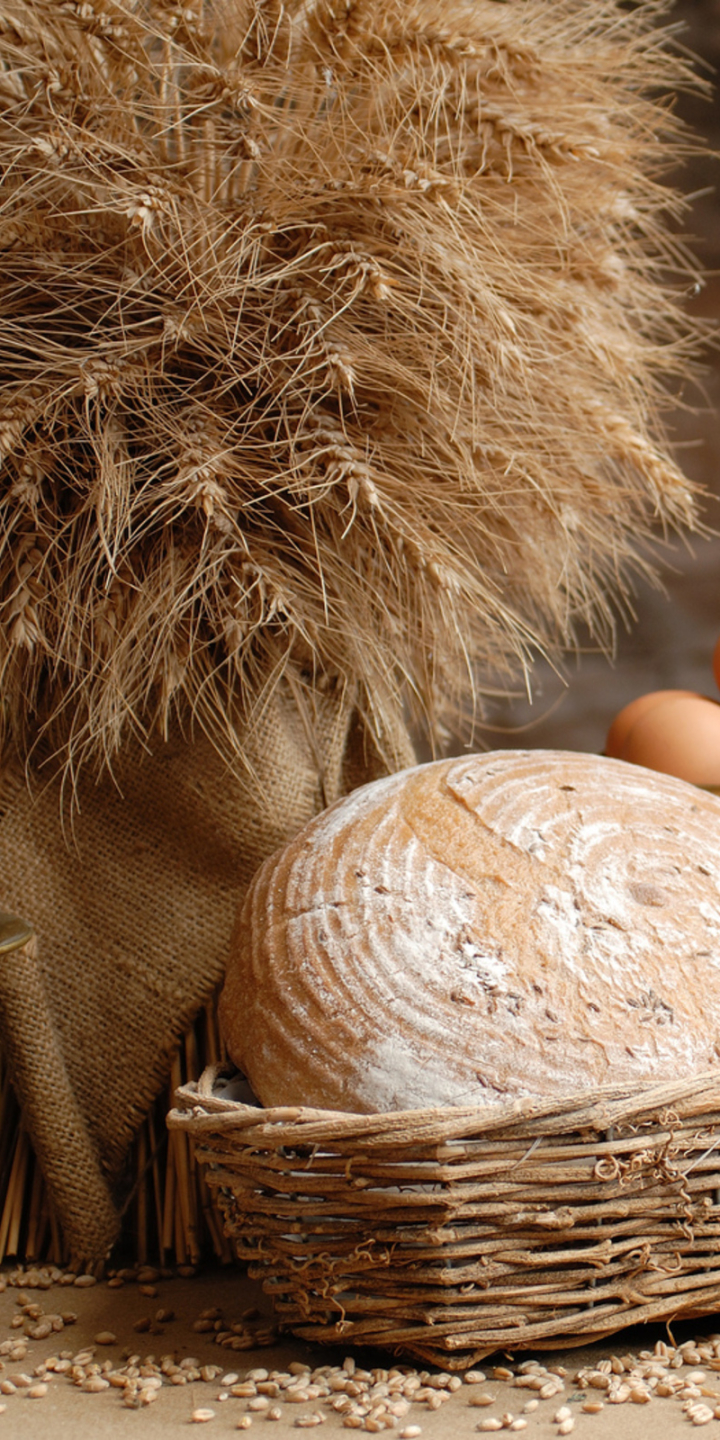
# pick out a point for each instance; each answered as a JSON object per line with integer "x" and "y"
{"x": 518, "y": 923}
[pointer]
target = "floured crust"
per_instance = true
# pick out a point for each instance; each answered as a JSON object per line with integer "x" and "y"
{"x": 521, "y": 923}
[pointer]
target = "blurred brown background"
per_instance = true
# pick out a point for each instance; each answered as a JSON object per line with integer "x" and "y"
{"x": 671, "y": 642}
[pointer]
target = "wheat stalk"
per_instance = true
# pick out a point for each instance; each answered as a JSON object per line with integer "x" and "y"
{"x": 334, "y": 337}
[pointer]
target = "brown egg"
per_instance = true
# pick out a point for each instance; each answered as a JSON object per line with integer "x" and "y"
{"x": 628, "y": 717}
{"x": 680, "y": 735}
{"x": 716, "y": 664}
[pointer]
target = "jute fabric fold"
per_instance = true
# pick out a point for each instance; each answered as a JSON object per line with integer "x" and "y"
{"x": 132, "y": 897}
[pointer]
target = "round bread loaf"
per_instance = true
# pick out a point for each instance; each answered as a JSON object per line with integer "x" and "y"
{"x": 520, "y": 923}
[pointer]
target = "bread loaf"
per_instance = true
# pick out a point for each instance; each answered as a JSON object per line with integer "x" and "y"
{"x": 520, "y": 923}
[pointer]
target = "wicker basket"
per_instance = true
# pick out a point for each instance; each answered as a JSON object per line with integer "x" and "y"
{"x": 446, "y": 1235}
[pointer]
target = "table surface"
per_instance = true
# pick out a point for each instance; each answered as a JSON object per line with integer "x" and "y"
{"x": 68, "y": 1411}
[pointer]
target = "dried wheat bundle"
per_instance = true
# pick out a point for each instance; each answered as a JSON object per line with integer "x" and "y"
{"x": 334, "y": 336}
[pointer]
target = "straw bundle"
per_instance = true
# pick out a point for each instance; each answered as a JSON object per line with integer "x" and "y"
{"x": 333, "y": 337}
{"x": 167, "y": 1211}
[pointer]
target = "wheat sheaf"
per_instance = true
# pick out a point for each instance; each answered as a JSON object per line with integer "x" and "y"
{"x": 334, "y": 338}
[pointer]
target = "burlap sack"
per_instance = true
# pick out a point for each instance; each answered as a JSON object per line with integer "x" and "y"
{"x": 132, "y": 907}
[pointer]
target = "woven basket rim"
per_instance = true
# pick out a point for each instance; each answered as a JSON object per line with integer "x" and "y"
{"x": 199, "y": 1106}
{"x": 450, "y": 1235}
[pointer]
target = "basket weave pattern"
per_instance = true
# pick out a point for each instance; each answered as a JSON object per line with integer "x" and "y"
{"x": 448, "y": 1234}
